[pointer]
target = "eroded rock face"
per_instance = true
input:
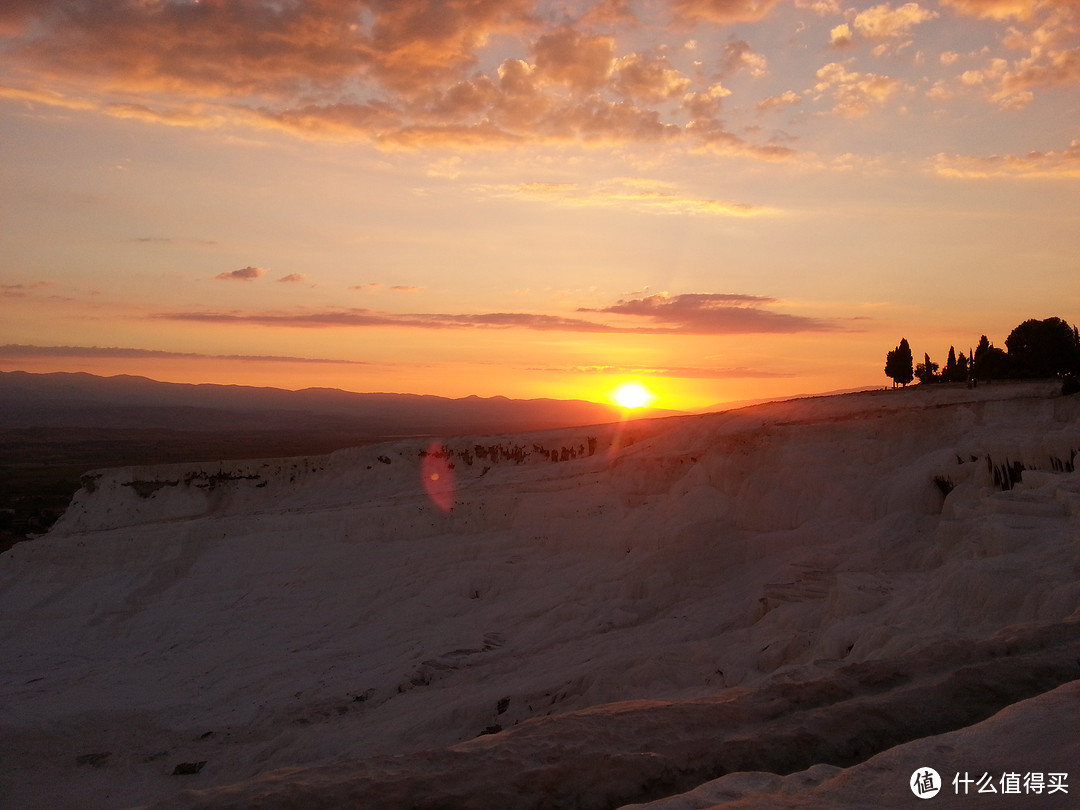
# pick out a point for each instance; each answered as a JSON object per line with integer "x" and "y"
{"x": 792, "y": 573}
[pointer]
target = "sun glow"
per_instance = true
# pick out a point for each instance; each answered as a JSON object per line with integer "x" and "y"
{"x": 632, "y": 395}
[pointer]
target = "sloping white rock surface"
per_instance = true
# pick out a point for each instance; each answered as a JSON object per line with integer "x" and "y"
{"x": 600, "y": 605}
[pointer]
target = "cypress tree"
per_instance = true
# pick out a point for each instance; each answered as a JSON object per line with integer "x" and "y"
{"x": 950, "y": 374}
{"x": 898, "y": 364}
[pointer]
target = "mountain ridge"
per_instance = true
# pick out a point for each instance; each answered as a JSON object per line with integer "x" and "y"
{"x": 79, "y": 399}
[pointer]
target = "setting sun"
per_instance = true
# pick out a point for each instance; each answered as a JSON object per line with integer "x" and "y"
{"x": 633, "y": 395}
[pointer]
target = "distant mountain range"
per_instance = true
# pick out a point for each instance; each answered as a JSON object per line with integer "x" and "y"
{"x": 79, "y": 400}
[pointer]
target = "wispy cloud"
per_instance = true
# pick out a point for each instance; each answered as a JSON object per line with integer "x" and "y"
{"x": 728, "y": 11}
{"x": 632, "y": 193}
{"x": 356, "y": 317}
{"x": 997, "y": 9}
{"x": 785, "y": 99}
{"x": 17, "y": 351}
{"x": 171, "y": 240}
{"x": 292, "y": 278}
{"x": 22, "y": 290}
{"x": 1060, "y": 164}
{"x": 679, "y": 372}
{"x": 715, "y": 313}
{"x": 692, "y": 313}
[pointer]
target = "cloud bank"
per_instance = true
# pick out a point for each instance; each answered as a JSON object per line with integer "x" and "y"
{"x": 690, "y": 314}
{"x": 482, "y": 74}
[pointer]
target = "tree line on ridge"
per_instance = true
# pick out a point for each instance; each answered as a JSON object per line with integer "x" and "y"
{"x": 1033, "y": 350}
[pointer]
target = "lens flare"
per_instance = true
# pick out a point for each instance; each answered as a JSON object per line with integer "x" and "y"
{"x": 437, "y": 474}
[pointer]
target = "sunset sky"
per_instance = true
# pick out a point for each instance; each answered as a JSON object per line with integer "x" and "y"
{"x": 726, "y": 199}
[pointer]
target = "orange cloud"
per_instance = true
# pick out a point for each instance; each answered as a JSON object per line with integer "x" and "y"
{"x": 648, "y": 78}
{"x": 738, "y": 55}
{"x": 995, "y": 9}
{"x": 1053, "y": 164}
{"x": 785, "y": 99}
{"x": 884, "y": 22}
{"x": 273, "y": 50}
{"x": 413, "y": 44}
{"x": 705, "y": 105}
{"x": 678, "y": 372}
{"x": 820, "y": 7}
{"x": 293, "y": 278}
{"x": 854, "y": 93}
{"x": 840, "y": 36}
{"x": 1052, "y": 59}
{"x": 714, "y": 138}
{"x": 243, "y": 274}
{"x": 635, "y": 194}
{"x": 722, "y": 11}
{"x": 581, "y": 61}
{"x": 397, "y": 75}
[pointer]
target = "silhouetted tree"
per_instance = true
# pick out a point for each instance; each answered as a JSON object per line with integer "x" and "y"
{"x": 989, "y": 362}
{"x": 950, "y": 373}
{"x": 898, "y": 364}
{"x": 926, "y": 370}
{"x": 1046, "y": 348}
